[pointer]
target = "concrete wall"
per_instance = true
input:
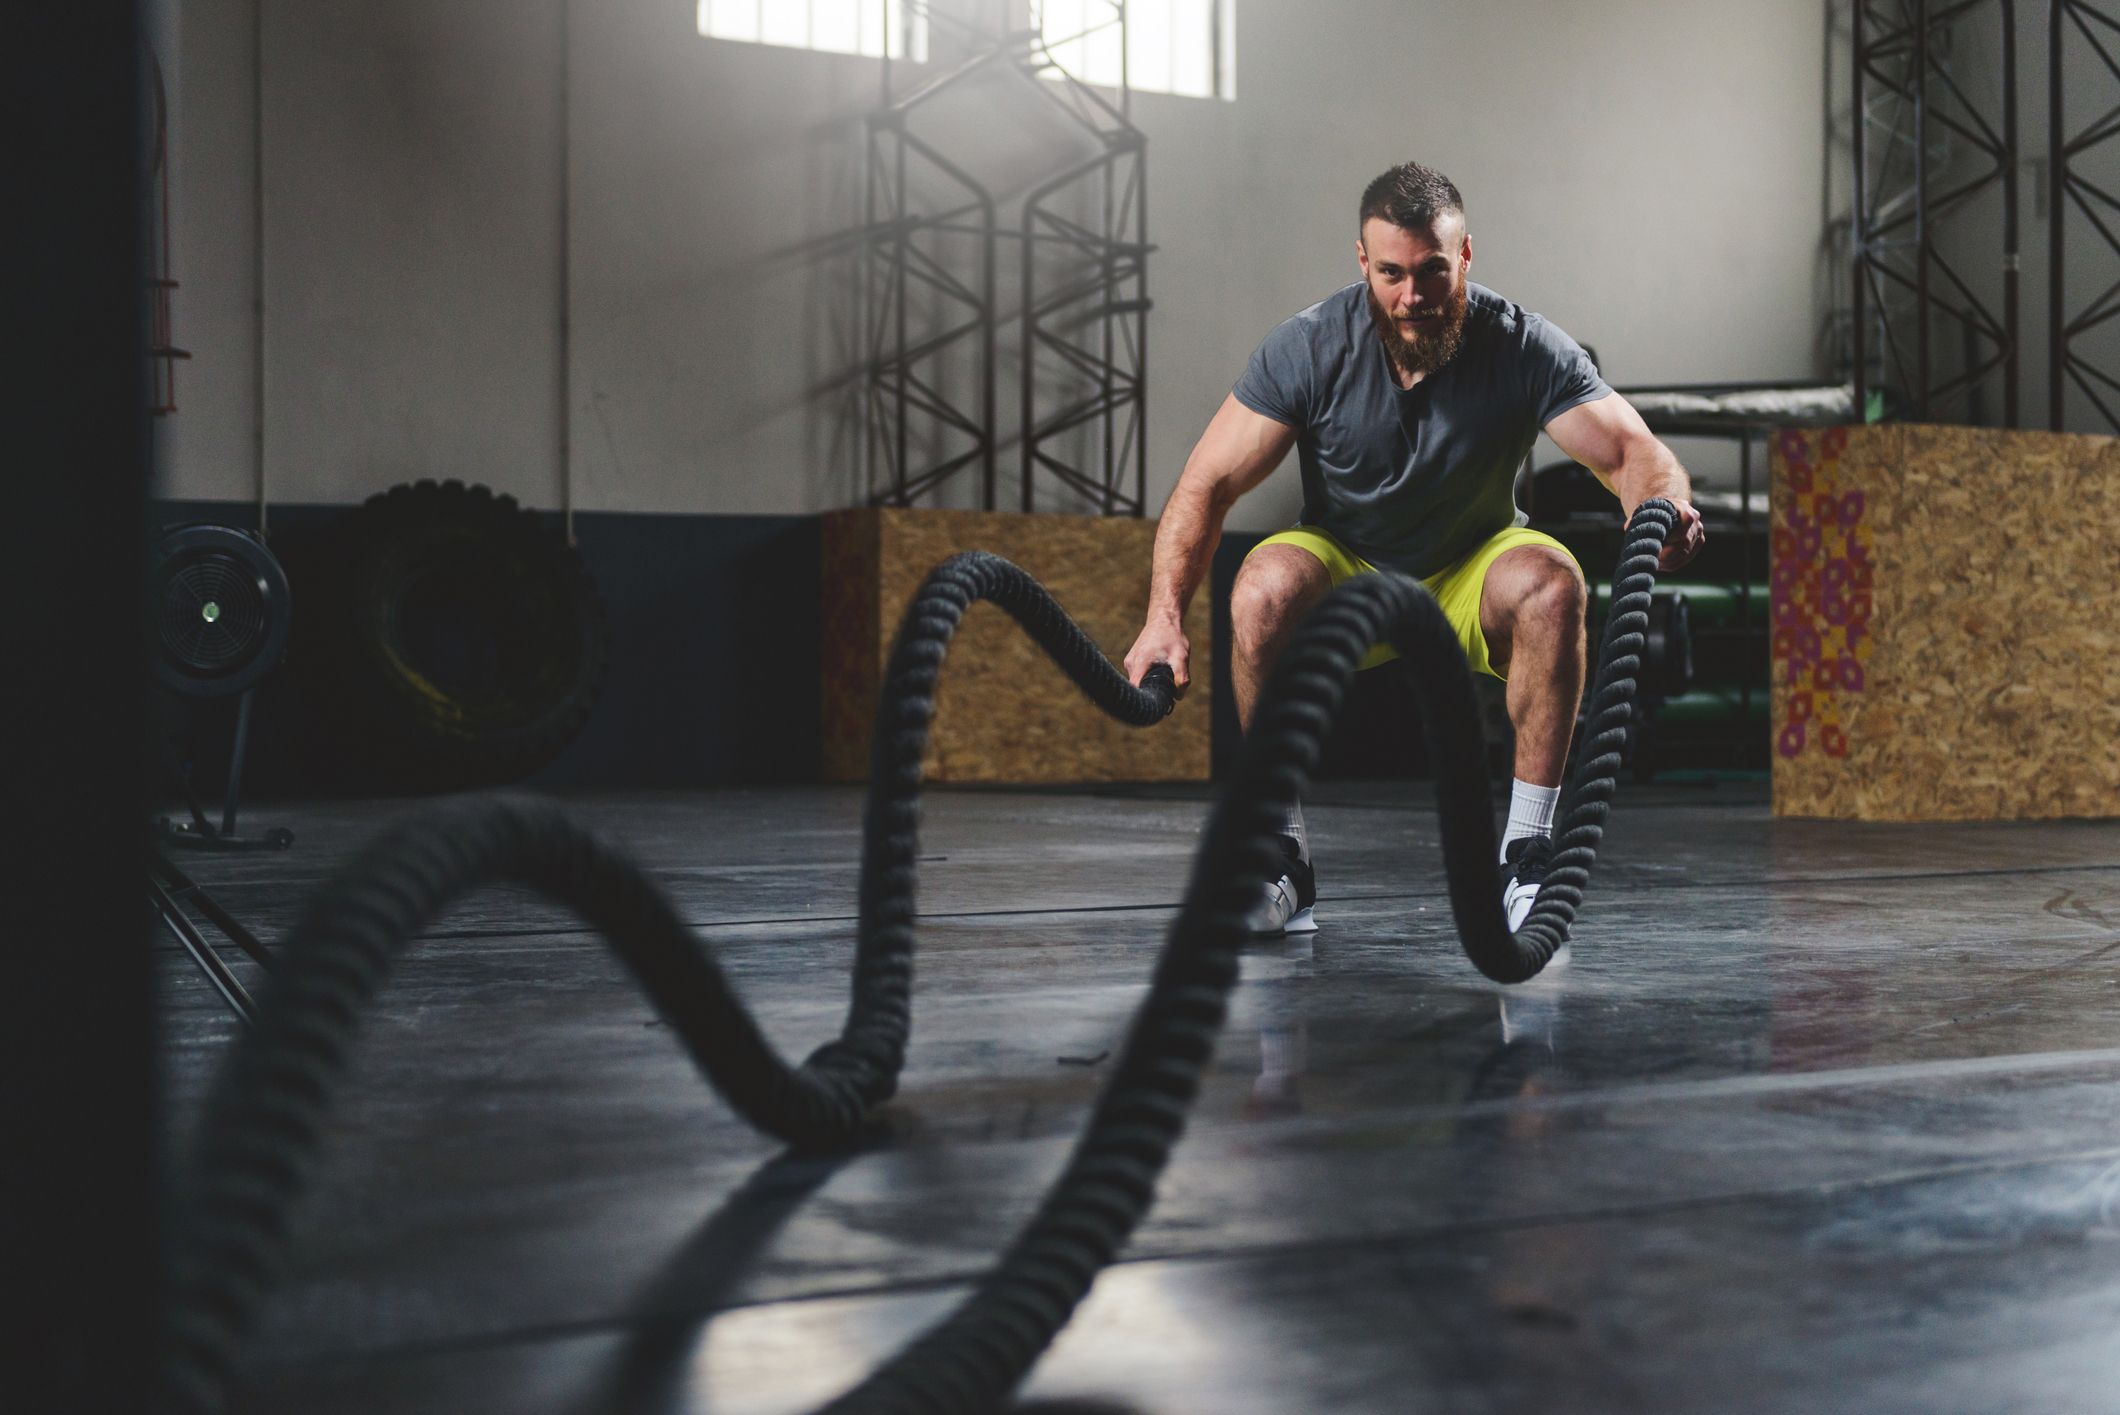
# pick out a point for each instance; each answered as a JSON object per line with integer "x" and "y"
{"x": 1645, "y": 173}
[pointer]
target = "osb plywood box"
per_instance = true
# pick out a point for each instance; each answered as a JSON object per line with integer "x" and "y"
{"x": 1004, "y": 712}
{"x": 1945, "y": 604}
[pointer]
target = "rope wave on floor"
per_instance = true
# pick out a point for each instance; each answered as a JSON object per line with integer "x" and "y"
{"x": 266, "y": 1115}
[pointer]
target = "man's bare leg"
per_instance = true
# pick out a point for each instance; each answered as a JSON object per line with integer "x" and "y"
{"x": 1531, "y": 611}
{"x": 1276, "y": 587}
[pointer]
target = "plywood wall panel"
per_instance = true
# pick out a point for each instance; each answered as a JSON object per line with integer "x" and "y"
{"x": 1945, "y": 605}
{"x": 1004, "y": 712}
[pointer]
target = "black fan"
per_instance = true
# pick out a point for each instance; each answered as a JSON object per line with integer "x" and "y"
{"x": 219, "y": 607}
{"x": 218, "y": 611}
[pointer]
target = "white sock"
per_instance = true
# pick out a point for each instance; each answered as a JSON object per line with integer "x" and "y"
{"x": 1292, "y": 827}
{"x": 1530, "y": 811}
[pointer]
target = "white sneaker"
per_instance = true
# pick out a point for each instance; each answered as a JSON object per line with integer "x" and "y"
{"x": 1526, "y": 861}
{"x": 1285, "y": 905}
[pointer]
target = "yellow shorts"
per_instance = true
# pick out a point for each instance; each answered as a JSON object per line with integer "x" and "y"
{"x": 1456, "y": 587}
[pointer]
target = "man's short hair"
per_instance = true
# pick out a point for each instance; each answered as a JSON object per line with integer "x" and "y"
{"x": 1411, "y": 196}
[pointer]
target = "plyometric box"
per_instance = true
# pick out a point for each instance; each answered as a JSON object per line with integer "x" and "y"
{"x": 1004, "y": 712}
{"x": 1946, "y": 602}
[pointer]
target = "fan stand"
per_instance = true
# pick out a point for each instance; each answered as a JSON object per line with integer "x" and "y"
{"x": 168, "y": 887}
{"x": 219, "y": 605}
{"x": 199, "y": 833}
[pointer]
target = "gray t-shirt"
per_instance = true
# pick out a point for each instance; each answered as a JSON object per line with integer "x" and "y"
{"x": 1414, "y": 478}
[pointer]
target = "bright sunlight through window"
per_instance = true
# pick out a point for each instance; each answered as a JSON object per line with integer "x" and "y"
{"x": 871, "y": 27}
{"x": 1186, "y": 47}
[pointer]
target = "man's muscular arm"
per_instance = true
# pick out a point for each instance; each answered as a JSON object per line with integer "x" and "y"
{"x": 1234, "y": 455}
{"x": 1609, "y": 437}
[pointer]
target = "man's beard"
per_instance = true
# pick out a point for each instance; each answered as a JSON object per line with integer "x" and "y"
{"x": 1428, "y": 351}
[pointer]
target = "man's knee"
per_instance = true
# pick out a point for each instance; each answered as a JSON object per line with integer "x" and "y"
{"x": 1276, "y": 584}
{"x": 1533, "y": 594}
{"x": 1545, "y": 588}
{"x": 1560, "y": 597}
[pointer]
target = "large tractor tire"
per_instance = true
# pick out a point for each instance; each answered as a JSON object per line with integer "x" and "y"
{"x": 462, "y": 641}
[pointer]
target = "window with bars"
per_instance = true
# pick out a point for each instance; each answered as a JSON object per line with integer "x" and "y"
{"x": 1185, "y": 47}
{"x": 871, "y": 27}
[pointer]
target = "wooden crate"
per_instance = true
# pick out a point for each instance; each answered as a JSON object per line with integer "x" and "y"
{"x": 1004, "y": 712}
{"x": 1945, "y": 607}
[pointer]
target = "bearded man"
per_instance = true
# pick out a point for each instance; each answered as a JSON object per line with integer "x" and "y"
{"x": 1411, "y": 398}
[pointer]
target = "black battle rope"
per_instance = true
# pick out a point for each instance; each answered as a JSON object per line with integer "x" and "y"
{"x": 266, "y": 1114}
{"x": 1587, "y": 802}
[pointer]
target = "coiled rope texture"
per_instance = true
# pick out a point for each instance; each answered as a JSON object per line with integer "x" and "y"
{"x": 267, "y": 1112}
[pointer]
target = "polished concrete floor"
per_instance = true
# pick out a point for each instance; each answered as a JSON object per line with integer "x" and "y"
{"x": 1821, "y": 1117}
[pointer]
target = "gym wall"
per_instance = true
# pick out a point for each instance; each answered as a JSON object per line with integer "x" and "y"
{"x": 403, "y": 162}
{"x": 1636, "y": 178}
{"x": 709, "y": 682}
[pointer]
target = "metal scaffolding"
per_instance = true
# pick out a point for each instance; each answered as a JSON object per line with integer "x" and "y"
{"x": 1926, "y": 149}
{"x": 1079, "y": 277}
{"x": 907, "y": 363}
{"x": 2070, "y": 22}
{"x": 1084, "y": 298}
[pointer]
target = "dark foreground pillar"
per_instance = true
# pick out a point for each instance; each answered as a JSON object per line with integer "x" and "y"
{"x": 77, "y": 1172}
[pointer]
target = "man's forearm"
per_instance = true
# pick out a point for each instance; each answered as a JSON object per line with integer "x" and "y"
{"x": 1186, "y": 536}
{"x": 1650, "y": 471}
